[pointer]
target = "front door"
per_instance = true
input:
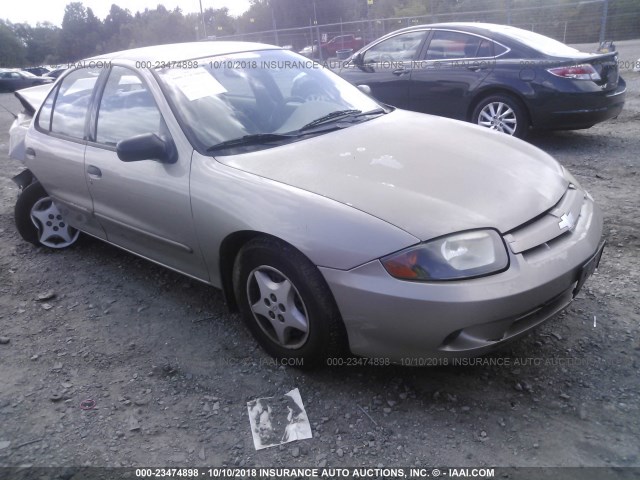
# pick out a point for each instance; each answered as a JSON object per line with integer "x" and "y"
{"x": 386, "y": 67}
{"x": 144, "y": 206}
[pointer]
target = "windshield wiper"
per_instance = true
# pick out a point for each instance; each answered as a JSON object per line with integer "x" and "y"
{"x": 340, "y": 114}
{"x": 263, "y": 138}
{"x": 255, "y": 139}
{"x": 377, "y": 111}
{"x": 328, "y": 117}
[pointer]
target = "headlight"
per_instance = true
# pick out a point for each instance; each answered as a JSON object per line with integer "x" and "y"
{"x": 461, "y": 255}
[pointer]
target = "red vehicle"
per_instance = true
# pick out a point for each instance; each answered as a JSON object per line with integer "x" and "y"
{"x": 341, "y": 42}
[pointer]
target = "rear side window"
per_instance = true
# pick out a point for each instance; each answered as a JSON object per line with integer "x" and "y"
{"x": 446, "y": 45}
{"x": 44, "y": 118}
{"x": 498, "y": 49}
{"x": 70, "y": 103}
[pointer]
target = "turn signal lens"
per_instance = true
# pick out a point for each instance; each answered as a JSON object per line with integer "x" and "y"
{"x": 404, "y": 265}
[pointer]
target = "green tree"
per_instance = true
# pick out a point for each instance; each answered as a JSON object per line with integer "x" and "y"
{"x": 161, "y": 26}
{"x": 41, "y": 43}
{"x": 12, "y": 50}
{"x": 118, "y": 29}
{"x": 81, "y": 33}
{"x": 219, "y": 22}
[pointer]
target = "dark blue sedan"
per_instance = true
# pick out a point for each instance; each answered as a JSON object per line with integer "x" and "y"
{"x": 500, "y": 77}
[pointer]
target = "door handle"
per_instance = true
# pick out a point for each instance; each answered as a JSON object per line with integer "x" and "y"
{"x": 401, "y": 71}
{"x": 30, "y": 153}
{"x": 94, "y": 171}
{"x": 475, "y": 68}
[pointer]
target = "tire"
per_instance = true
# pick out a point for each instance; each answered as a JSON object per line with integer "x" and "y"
{"x": 286, "y": 304}
{"x": 502, "y": 113}
{"x": 39, "y": 221}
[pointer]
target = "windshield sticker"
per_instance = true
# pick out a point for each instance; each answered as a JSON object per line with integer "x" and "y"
{"x": 196, "y": 83}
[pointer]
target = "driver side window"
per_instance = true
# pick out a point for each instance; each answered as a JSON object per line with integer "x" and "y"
{"x": 403, "y": 47}
{"x": 127, "y": 108}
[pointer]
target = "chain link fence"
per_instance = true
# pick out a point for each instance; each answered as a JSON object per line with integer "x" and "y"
{"x": 578, "y": 22}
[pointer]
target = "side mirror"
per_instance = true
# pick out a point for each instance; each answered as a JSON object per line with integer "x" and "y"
{"x": 147, "y": 146}
{"x": 358, "y": 61}
{"x": 365, "y": 89}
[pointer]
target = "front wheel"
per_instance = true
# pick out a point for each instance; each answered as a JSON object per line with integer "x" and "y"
{"x": 39, "y": 221}
{"x": 286, "y": 304}
{"x": 502, "y": 113}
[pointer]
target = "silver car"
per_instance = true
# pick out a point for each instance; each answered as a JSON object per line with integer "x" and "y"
{"x": 330, "y": 221}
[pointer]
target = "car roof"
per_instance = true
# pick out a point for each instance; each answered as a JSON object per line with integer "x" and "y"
{"x": 471, "y": 27}
{"x": 183, "y": 51}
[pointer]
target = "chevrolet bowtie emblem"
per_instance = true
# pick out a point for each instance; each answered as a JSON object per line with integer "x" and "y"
{"x": 567, "y": 221}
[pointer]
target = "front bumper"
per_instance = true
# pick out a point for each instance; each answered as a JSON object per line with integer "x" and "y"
{"x": 404, "y": 321}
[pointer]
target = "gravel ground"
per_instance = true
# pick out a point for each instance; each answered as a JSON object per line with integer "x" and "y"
{"x": 170, "y": 370}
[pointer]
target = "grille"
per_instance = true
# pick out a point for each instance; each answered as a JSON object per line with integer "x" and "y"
{"x": 559, "y": 220}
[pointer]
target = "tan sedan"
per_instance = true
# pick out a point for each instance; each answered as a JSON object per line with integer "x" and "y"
{"x": 330, "y": 221}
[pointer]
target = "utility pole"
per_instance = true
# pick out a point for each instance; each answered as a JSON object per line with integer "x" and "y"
{"x": 370, "y": 27}
{"x": 204, "y": 26}
{"x": 315, "y": 22}
{"x": 603, "y": 26}
{"x": 273, "y": 22}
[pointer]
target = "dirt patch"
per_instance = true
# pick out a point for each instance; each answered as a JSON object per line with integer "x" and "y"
{"x": 170, "y": 371}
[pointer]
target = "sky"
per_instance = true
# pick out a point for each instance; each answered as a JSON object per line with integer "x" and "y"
{"x": 32, "y": 12}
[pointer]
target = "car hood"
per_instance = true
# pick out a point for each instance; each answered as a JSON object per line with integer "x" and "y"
{"x": 427, "y": 175}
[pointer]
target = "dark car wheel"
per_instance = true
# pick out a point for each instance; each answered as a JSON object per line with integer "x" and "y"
{"x": 502, "y": 113}
{"x": 286, "y": 303}
{"x": 39, "y": 221}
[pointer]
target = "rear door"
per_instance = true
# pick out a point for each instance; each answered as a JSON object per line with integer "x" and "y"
{"x": 144, "y": 206}
{"x": 55, "y": 148}
{"x": 454, "y": 65}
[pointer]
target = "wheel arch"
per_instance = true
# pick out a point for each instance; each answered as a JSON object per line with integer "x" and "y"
{"x": 229, "y": 249}
{"x": 497, "y": 90}
{"x": 24, "y": 179}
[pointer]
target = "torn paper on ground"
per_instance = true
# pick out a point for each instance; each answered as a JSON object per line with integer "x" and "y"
{"x": 277, "y": 420}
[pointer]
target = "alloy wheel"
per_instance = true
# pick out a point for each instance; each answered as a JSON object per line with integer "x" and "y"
{"x": 53, "y": 231}
{"x": 277, "y": 307}
{"x": 498, "y": 116}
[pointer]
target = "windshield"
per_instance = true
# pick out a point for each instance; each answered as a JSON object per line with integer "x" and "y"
{"x": 543, "y": 44}
{"x": 255, "y": 93}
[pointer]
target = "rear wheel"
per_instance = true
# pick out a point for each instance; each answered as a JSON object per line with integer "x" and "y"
{"x": 502, "y": 113}
{"x": 286, "y": 303}
{"x": 39, "y": 221}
